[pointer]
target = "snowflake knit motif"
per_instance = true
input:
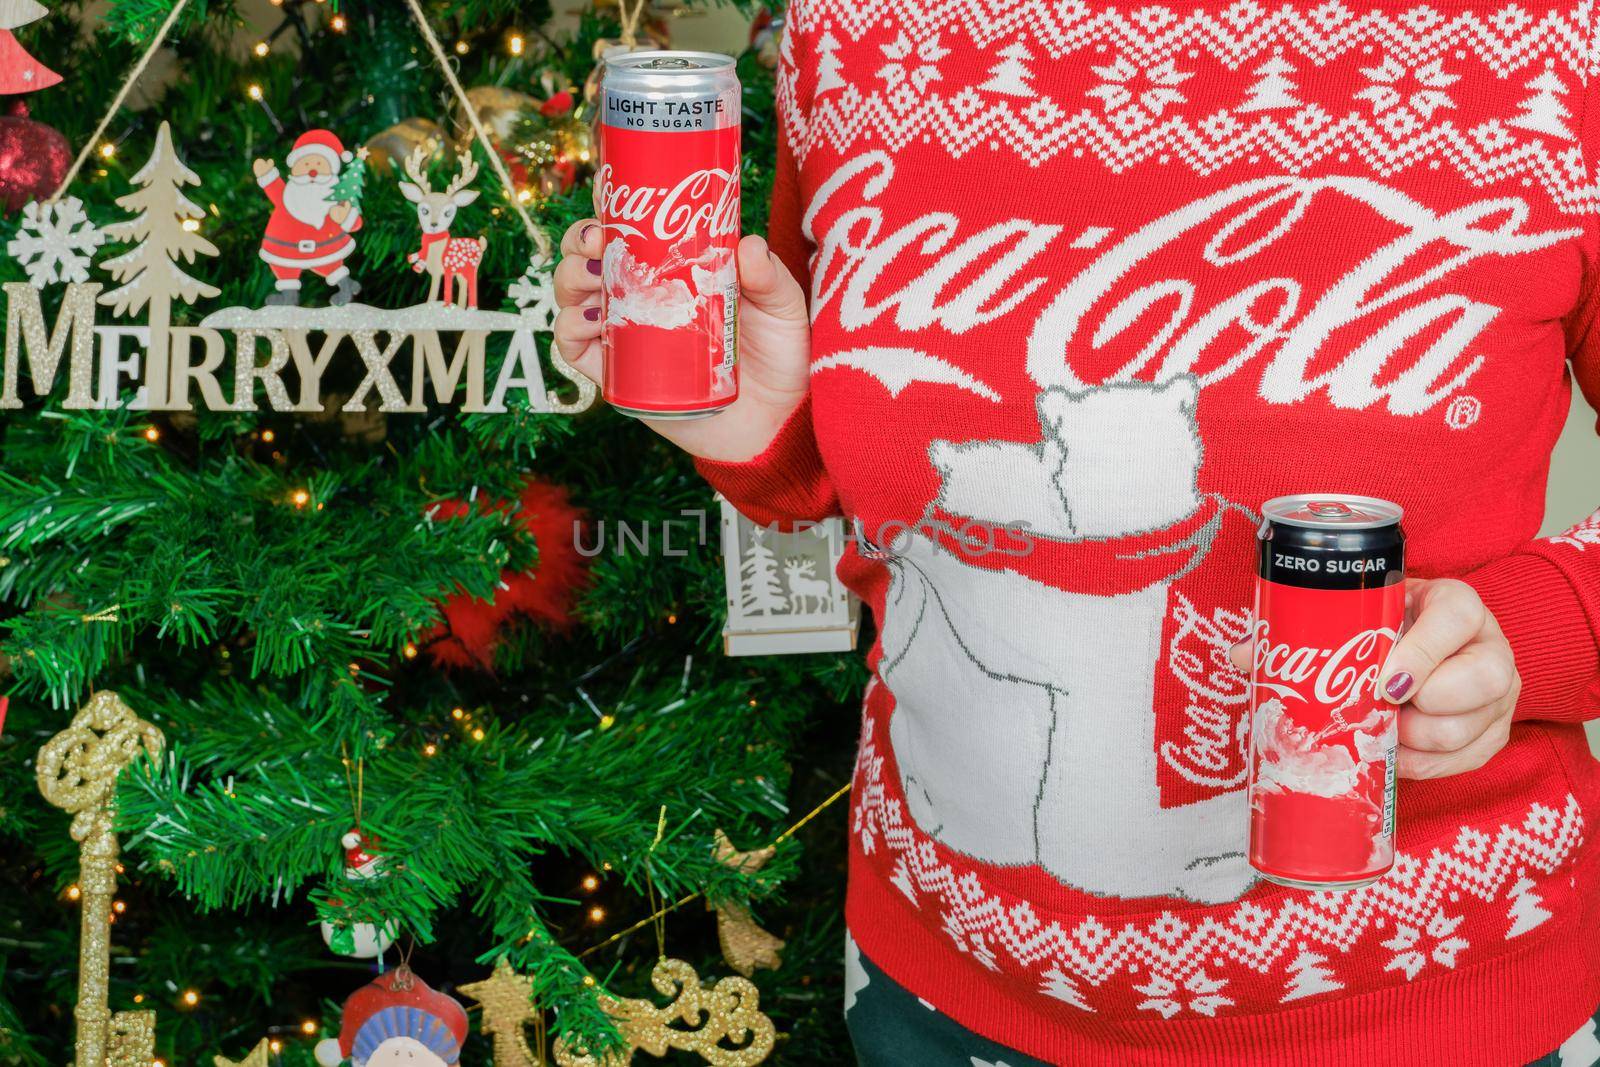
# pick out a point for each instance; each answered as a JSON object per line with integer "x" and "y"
{"x": 56, "y": 242}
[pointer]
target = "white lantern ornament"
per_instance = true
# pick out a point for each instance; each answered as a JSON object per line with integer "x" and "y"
{"x": 784, "y": 594}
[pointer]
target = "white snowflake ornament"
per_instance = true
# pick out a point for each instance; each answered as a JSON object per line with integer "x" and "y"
{"x": 56, "y": 242}
{"x": 535, "y": 293}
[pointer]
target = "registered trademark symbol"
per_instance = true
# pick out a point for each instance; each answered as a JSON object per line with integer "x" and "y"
{"x": 1462, "y": 412}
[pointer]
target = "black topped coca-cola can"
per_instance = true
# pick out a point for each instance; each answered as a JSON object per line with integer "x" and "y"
{"x": 1330, "y": 604}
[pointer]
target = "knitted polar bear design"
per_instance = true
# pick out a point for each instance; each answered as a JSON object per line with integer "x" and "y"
{"x": 1024, "y": 724}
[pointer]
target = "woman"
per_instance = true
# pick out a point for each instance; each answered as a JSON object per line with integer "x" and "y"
{"x": 1124, "y": 274}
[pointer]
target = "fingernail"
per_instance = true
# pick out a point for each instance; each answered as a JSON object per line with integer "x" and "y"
{"x": 1398, "y": 687}
{"x": 583, "y": 234}
{"x": 594, "y": 266}
{"x": 591, "y": 313}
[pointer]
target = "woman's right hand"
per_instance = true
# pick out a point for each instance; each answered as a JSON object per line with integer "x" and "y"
{"x": 774, "y": 345}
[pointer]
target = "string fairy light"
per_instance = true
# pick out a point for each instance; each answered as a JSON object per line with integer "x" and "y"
{"x": 256, "y": 93}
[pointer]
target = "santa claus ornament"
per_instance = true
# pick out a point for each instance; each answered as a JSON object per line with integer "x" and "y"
{"x": 397, "y": 1020}
{"x": 313, "y": 218}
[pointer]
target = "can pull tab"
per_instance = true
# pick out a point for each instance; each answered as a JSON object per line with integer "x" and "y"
{"x": 1329, "y": 509}
{"x": 669, "y": 63}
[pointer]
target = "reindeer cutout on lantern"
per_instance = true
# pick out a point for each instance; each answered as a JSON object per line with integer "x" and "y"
{"x": 805, "y": 588}
{"x": 444, "y": 257}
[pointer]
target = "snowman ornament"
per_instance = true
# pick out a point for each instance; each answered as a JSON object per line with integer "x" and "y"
{"x": 397, "y": 1020}
{"x": 363, "y": 941}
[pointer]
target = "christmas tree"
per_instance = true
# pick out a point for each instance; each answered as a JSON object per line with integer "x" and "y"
{"x": 830, "y": 71}
{"x": 352, "y": 181}
{"x": 1273, "y": 89}
{"x": 1010, "y": 76}
{"x": 1309, "y": 975}
{"x": 163, "y": 231}
{"x": 403, "y": 699}
{"x": 763, "y": 589}
{"x": 1527, "y": 908}
{"x": 20, "y": 72}
{"x": 1543, "y": 112}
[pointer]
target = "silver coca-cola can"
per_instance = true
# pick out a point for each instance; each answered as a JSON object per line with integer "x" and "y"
{"x": 667, "y": 197}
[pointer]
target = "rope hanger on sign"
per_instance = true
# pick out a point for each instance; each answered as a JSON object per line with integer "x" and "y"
{"x": 121, "y": 97}
{"x": 479, "y": 133}
{"x": 630, "y": 21}
{"x": 631, "y": 15}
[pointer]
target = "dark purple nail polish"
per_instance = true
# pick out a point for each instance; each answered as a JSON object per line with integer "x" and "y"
{"x": 583, "y": 234}
{"x": 594, "y": 266}
{"x": 591, "y": 313}
{"x": 1398, "y": 687}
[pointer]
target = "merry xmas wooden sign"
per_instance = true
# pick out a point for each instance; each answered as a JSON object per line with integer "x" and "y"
{"x": 275, "y": 357}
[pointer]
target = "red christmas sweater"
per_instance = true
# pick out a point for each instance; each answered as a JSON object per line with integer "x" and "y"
{"x": 1124, "y": 273}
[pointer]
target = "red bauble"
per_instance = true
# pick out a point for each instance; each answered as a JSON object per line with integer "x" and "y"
{"x": 472, "y": 627}
{"x": 559, "y": 104}
{"x": 33, "y": 159}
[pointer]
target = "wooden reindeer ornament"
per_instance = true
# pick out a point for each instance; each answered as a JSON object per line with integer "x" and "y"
{"x": 444, "y": 257}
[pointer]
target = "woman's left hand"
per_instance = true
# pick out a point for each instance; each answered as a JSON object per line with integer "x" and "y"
{"x": 1452, "y": 673}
